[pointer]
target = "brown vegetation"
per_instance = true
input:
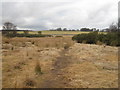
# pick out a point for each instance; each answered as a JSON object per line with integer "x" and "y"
{"x": 60, "y": 63}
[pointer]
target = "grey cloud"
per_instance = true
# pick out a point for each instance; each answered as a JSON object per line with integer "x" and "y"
{"x": 46, "y": 15}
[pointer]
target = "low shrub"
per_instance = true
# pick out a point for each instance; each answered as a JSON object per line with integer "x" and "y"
{"x": 66, "y": 46}
{"x": 111, "y": 38}
{"x": 27, "y": 35}
{"x": 39, "y": 32}
{"x": 38, "y": 70}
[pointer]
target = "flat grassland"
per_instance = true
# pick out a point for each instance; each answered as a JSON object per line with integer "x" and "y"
{"x": 56, "y": 32}
{"x": 60, "y": 32}
{"x": 63, "y": 32}
{"x": 57, "y": 62}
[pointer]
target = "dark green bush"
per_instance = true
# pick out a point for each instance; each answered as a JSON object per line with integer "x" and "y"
{"x": 27, "y": 35}
{"x": 39, "y": 32}
{"x": 111, "y": 38}
{"x": 90, "y": 38}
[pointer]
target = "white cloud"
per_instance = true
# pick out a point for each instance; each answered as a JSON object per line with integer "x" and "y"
{"x": 67, "y": 13}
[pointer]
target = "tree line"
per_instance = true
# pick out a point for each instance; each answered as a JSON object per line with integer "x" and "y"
{"x": 10, "y": 30}
{"x": 82, "y": 29}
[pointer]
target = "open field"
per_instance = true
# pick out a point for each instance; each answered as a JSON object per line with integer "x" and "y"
{"x": 63, "y": 32}
{"x": 52, "y": 62}
{"x": 57, "y": 32}
{"x": 60, "y": 32}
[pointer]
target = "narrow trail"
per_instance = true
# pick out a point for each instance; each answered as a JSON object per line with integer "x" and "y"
{"x": 57, "y": 78}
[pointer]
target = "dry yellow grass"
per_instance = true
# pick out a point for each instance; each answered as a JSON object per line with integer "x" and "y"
{"x": 94, "y": 66}
{"x": 39, "y": 42}
{"x": 20, "y": 55}
{"x": 56, "y": 32}
{"x": 77, "y": 66}
{"x": 60, "y": 32}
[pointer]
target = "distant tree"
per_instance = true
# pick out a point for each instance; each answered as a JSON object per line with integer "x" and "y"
{"x": 65, "y": 29}
{"x": 85, "y": 29}
{"x": 39, "y": 32}
{"x": 92, "y": 29}
{"x": 73, "y": 30}
{"x": 59, "y": 29}
{"x": 113, "y": 27}
{"x": 119, "y": 24}
{"x": 9, "y": 28}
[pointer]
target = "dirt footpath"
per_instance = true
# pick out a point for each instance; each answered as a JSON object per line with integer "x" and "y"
{"x": 57, "y": 78}
{"x": 84, "y": 66}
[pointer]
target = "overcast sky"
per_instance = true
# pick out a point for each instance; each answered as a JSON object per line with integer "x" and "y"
{"x": 48, "y": 14}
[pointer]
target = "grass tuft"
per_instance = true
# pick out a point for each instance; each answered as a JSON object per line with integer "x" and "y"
{"x": 66, "y": 46}
{"x": 29, "y": 83}
{"x": 38, "y": 70}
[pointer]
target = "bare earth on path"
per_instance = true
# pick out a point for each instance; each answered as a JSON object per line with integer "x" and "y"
{"x": 58, "y": 79}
